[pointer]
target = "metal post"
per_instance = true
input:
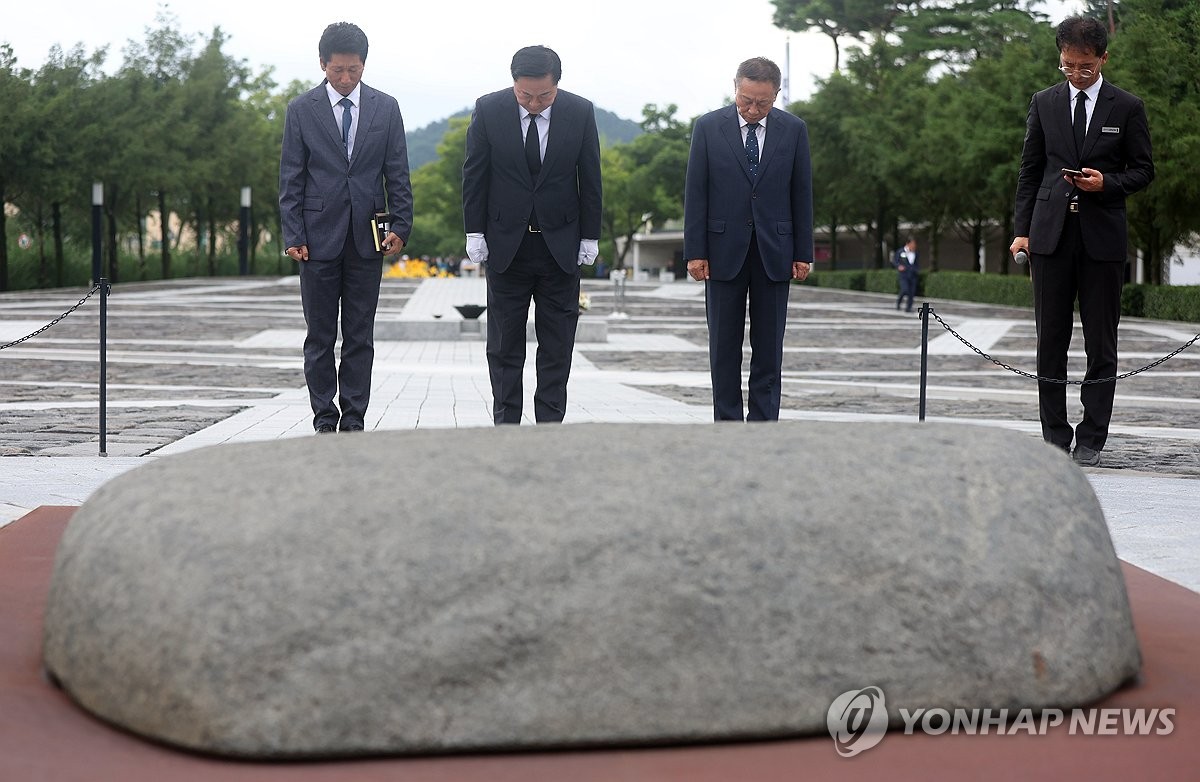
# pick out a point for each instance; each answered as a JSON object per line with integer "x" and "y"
{"x": 103, "y": 366}
{"x": 244, "y": 234}
{"x": 97, "y": 205}
{"x": 924, "y": 354}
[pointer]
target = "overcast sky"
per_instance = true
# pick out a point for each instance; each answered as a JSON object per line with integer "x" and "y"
{"x": 437, "y": 57}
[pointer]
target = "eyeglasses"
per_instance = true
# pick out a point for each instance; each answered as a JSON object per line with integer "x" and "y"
{"x": 1085, "y": 73}
{"x": 762, "y": 104}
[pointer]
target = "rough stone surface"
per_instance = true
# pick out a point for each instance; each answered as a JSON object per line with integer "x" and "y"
{"x": 401, "y": 592}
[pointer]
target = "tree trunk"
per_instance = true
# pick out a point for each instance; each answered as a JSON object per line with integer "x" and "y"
{"x": 141, "y": 236}
{"x": 110, "y": 211}
{"x": 164, "y": 234}
{"x": 56, "y": 219}
{"x": 212, "y": 240}
{"x": 43, "y": 275}
{"x": 3, "y": 239}
{"x": 833, "y": 244}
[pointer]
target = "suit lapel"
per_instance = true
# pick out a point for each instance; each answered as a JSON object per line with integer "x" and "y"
{"x": 776, "y": 135}
{"x": 368, "y": 104}
{"x": 731, "y": 130}
{"x": 323, "y": 115}
{"x": 1060, "y": 105}
{"x": 1104, "y": 106}
{"x": 562, "y": 122}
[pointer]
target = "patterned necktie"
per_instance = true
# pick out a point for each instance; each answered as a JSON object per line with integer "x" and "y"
{"x": 346, "y": 103}
{"x": 752, "y": 147}
{"x": 1080, "y": 122}
{"x": 533, "y": 147}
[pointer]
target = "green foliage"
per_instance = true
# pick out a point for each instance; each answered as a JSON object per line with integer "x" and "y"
{"x": 1133, "y": 300}
{"x": 986, "y": 288}
{"x": 437, "y": 197}
{"x": 958, "y": 286}
{"x": 1173, "y": 302}
{"x": 643, "y": 180}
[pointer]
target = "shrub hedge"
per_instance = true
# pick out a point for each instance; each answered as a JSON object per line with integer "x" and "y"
{"x": 1160, "y": 302}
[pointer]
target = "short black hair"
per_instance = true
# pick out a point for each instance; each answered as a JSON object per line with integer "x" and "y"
{"x": 759, "y": 69}
{"x": 535, "y": 62}
{"x": 1082, "y": 32}
{"x": 342, "y": 38}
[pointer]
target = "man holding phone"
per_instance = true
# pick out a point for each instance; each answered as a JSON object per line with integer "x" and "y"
{"x": 1087, "y": 147}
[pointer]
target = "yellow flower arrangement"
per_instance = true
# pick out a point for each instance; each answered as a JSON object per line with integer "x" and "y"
{"x": 413, "y": 268}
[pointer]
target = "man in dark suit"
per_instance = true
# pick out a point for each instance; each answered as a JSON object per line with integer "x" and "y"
{"x": 1087, "y": 147}
{"x": 344, "y": 159}
{"x": 531, "y": 207}
{"x": 905, "y": 262}
{"x": 748, "y": 233}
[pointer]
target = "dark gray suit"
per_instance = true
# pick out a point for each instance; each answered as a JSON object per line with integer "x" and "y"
{"x": 1079, "y": 253}
{"x": 327, "y": 202}
{"x": 750, "y": 229}
{"x": 499, "y": 198}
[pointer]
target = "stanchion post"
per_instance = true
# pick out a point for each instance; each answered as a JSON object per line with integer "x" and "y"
{"x": 103, "y": 366}
{"x": 924, "y": 355}
{"x": 244, "y": 234}
{"x": 97, "y": 206}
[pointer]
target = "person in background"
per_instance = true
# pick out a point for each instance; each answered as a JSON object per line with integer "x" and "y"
{"x": 905, "y": 262}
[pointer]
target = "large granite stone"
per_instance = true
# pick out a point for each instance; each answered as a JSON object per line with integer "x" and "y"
{"x": 402, "y": 592}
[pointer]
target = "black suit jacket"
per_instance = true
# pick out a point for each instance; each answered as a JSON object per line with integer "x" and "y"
{"x": 499, "y": 193}
{"x": 1117, "y": 144}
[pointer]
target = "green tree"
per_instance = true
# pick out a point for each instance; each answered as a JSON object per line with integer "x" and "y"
{"x": 837, "y": 19}
{"x": 643, "y": 179}
{"x": 1155, "y": 54}
{"x": 17, "y": 142}
{"x": 437, "y": 197}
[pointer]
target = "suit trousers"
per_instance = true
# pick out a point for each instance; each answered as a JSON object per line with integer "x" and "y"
{"x": 532, "y": 275}
{"x": 353, "y": 283}
{"x": 725, "y": 303}
{"x": 908, "y": 290}
{"x": 1057, "y": 280}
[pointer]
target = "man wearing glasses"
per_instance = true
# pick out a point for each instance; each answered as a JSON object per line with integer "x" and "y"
{"x": 532, "y": 207}
{"x": 1087, "y": 147}
{"x": 748, "y": 232}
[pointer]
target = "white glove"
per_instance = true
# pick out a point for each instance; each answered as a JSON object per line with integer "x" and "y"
{"x": 589, "y": 250}
{"x": 477, "y": 248}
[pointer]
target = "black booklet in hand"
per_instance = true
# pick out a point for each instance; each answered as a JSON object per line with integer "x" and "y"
{"x": 381, "y": 226}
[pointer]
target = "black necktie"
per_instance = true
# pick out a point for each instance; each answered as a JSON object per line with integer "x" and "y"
{"x": 752, "y": 147}
{"x": 346, "y": 103}
{"x": 1080, "y": 121}
{"x": 533, "y": 147}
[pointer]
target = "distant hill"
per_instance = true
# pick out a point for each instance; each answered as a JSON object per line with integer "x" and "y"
{"x": 422, "y": 142}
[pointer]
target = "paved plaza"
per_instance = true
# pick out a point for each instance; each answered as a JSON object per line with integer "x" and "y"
{"x": 200, "y": 362}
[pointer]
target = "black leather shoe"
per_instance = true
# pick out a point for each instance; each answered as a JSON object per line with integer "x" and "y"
{"x": 1086, "y": 457}
{"x": 326, "y": 428}
{"x": 352, "y": 428}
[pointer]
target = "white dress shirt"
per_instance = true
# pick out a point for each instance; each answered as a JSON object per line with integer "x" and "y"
{"x": 1089, "y": 105}
{"x": 354, "y": 97}
{"x": 543, "y": 126}
{"x": 761, "y": 132}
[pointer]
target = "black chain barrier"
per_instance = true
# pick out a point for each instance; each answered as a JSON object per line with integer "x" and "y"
{"x": 54, "y": 322}
{"x": 1062, "y": 381}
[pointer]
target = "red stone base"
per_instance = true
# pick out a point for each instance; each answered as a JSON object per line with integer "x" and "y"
{"x": 43, "y": 736}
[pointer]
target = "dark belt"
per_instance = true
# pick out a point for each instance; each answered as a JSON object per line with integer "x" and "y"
{"x": 533, "y": 230}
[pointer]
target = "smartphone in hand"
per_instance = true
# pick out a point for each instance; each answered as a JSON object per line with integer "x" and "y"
{"x": 1072, "y": 172}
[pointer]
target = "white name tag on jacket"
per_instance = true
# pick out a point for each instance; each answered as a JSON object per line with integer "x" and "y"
{"x": 1108, "y": 129}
